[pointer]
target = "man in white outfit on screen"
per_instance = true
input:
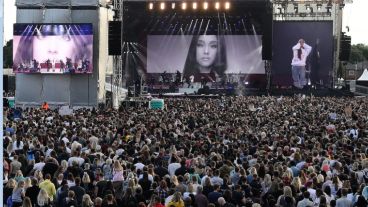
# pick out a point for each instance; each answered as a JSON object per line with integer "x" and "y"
{"x": 300, "y": 54}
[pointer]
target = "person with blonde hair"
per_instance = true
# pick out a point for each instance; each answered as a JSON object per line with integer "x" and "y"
{"x": 176, "y": 201}
{"x": 27, "y": 202}
{"x": 86, "y": 181}
{"x": 286, "y": 199}
{"x": 132, "y": 183}
{"x": 27, "y": 183}
{"x": 117, "y": 171}
{"x": 174, "y": 180}
{"x": 107, "y": 170}
{"x": 19, "y": 176}
{"x": 8, "y": 189}
{"x": 18, "y": 194}
{"x": 43, "y": 199}
{"x": 266, "y": 184}
{"x": 296, "y": 184}
{"x": 86, "y": 201}
{"x": 38, "y": 174}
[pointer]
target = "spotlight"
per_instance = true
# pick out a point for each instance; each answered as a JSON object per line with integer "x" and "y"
{"x": 195, "y": 5}
{"x": 227, "y": 5}
{"x": 173, "y": 5}
{"x": 150, "y": 6}
{"x": 319, "y": 7}
{"x": 205, "y": 5}
{"x": 217, "y": 5}
{"x": 246, "y": 83}
{"x": 329, "y": 7}
{"x": 184, "y": 6}
{"x": 307, "y": 7}
{"x": 162, "y": 6}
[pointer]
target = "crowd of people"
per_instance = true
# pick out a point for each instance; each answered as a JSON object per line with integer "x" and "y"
{"x": 231, "y": 151}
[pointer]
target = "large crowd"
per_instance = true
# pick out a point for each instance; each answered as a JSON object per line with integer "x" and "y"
{"x": 231, "y": 151}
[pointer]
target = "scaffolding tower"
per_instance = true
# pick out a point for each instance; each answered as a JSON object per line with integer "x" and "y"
{"x": 117, "y": 75}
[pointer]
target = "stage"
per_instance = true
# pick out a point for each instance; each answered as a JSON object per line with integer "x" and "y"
{"x": 218, "y": 92}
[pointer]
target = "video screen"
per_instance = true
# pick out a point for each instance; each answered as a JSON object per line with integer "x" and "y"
{"x": 205, "y": 54}
{"x": 302, "y": 54}
{"x": 53, "y": 48}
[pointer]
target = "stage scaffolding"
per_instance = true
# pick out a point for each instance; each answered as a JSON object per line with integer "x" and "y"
{"x": 118, "y": 69}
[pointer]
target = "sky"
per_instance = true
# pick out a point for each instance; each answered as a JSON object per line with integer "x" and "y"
{"x": 355, "y": 16}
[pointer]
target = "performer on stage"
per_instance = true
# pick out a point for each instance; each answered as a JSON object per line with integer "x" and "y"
{"x": 178, "y": 78}
{"x": 300, "y": 53}
{"x": 48, "y": 64}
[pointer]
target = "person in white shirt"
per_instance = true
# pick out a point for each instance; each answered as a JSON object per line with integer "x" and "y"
{"x": 344, "y": 201}
{"x": 306, "y": 201}
{"x": 173, "y": 166}
{"x": 298, "y": 63}
{"x": 39, "y": 166}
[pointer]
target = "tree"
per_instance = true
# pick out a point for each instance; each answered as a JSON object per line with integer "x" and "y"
{"x": 8, "y": 54}
{"x": 358, "y": 53}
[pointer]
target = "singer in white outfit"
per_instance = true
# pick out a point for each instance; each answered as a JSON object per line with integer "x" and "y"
{"x": 300, "y": 53}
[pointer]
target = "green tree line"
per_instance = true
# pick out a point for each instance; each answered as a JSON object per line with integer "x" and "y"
{"x": 358, "y": 53}
{"x": 8, "y": 54}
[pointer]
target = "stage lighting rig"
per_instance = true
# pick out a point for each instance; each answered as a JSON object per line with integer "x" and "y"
{"x": 162, "y": 5}
{"x": 217, "y": 5}
{"x": 184, "y": 6}
{"x": 227, "y": 5}
{"x": 205, "y": 5}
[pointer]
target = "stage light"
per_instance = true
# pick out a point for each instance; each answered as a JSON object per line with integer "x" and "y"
{"x": 307, "y": 7}
{"x": 195, "y": 5}
{"x": 319, "y": 7}
{"x": 162, "y": 6}
{"x": 217, "y": 5}
{"x": 227, "y": 5}
{"x": 184, "y": 6}
{"x": 150, "y": 6}
{"x": 329, "y": 7}
{"x": 205, "y": 5}
{"x": 173, "y": 5}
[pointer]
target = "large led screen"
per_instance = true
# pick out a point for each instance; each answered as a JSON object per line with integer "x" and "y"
{"x": 194, "y": 55}
{"x": 314, "y": 58}
{"x": 53, "y": 48}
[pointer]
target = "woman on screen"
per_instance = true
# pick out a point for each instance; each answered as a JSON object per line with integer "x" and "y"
{"x": 50, "y": 44}
{"x": 61, "y": 42}
{"x": 206, "y": 58}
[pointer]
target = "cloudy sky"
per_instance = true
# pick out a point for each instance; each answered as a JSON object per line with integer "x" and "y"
{"x": 355, "y": 17}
